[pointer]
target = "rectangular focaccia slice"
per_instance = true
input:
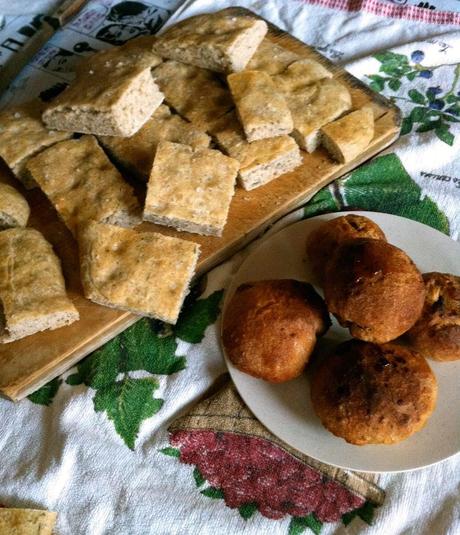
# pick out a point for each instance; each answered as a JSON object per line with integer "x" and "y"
{"x": 32, "y": 288}
{"x": 260, "y": 161}
{"x": 23, "y": 134}
{"x": 26, "y": 522}
{"x": 271, "y": 58}
{"x": 217, "y": 41}
{"x": 14, "y": 209}
{"x": 300, "y": 74}
{"x": 261, "y": 108}
{"x": 189, "y": 189}
{"x": 136, "y": 153}
{"x": 83, "y": 185}
{"x": 347, "y": 137}
{"x": 145, "y": 273}
{"x": 314, "y": 108}
{"x": 113, "y": 93}
{"x": 196, "y": 94}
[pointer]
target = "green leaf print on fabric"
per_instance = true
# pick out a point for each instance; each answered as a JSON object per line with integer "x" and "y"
{"x": 247, "y": 510}
{"x": 147, "y": 346}
{"x": 435, "y": 108}
{"x": 383, "y": 185}
{"x": 298, "y": 525}
{"x": 128, "y": 403}
{"x": 198, "y": 477}
{"x": 45, "y": 395}
{"x": 214, "y": 493}
{"x": 196, "y": 316}
{"x": 365, "y": 512}
{"x": 171, "y": 452}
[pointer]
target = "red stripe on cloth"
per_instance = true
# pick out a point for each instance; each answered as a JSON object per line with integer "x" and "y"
{"x": 391, "y": 10}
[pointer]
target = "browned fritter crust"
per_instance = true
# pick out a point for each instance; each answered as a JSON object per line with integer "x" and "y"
{"x": 270, "y": 328}
{"x": 374, "y": 289}
{"x": 324, "y": 240}
{"x": 437, "y": 333}
{"x": 373, "y": 394}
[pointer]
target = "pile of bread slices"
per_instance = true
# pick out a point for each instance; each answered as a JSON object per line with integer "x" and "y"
{"x": 152, "y": 109}
{"x": 376, "y": 388}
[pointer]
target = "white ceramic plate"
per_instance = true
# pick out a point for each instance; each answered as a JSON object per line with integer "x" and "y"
{"x": 286, "y": 410}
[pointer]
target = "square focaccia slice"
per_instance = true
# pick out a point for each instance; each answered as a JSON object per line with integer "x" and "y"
{"x": 189, "y": 189}
{"x": 146, "y": 273}
{"x": 195, "y": 93}
{"x": 113, "y": 93}
{"x": 135, "y": 154}
{"x": 83, "y": 185}
{"x": 219, "y": 41}
{"x": 261, "y": 107}
{"x": 314, "y": 107}
{"x": 23, "y": 135}
{"x": 32, "y": 288}
{"x": 349, "y": 136}
{"x": 260, "y": 161}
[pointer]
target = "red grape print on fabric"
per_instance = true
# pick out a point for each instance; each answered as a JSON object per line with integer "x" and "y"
{"x": 251, "y": 472}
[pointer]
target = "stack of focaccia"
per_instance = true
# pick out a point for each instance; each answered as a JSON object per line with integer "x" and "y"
{"x": 210, "y": 102}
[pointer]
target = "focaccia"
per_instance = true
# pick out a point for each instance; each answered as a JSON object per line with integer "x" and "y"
{"x": 26, "y": 522}
{"x": 300, "y": 74}
{"x": 83, "y": 185}
{"x": 113, "y": 93}
{"x": 136, "y": 153}
{"x": 347, "y": 137}
{"x": 14, "y": 209}
{"x": 32, "y": 288}
{"x": 145, "y": 273}
{"x": 196, "y": 94}
{"x": 260, "y": 161}
{"x": 217, "y": 41}
{"x": 23, "y": 134}
{"x": 314, "y": 108}
{"x": 271, "y": 58}
{"x": 261, "y": 108}
{"x": 189, "y": 189}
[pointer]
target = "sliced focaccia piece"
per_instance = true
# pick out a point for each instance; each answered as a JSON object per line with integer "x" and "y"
{"x": 113, "y": 93}
{"x": 22, "y": 135}
{"x": 271, "y": 58}
{"x": 217, "y": 41}
{"x": 26, "y": 522}
{"x": 300, "y": 74}
{"x": 315, "y": 107}
{"x": 260, "y": 161}
{"x": 262, "y": 109}
{"x": 142, "y": 272}
{"x": 83, "y": 185}
{"x": 14, "y": 209}
{"x": 136, "y": 153}
{"x": 196, "y": 94}
{"x": 32, "y": 288}
{"x": 347, "y": 137}
{"x": 189, "y": 189}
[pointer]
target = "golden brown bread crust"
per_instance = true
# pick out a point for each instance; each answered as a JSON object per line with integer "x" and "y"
{"x": 373, "y": 394}
{"x": 437, "y": 332}
{"x": 270, "y": 328}
{"x": 324, "y": 240}
{"x": 374, "y": 289}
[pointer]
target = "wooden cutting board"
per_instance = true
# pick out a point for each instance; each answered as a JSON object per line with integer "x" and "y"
{"x": 27, "y": 364}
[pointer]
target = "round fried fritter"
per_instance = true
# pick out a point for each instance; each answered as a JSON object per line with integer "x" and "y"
{"x": 373, "y": 394}
{"x": 374, "y": 289}
{"x": 437, "y": 333}
{"x": 270, "y": 328}
{"x": 323, "y": 241}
